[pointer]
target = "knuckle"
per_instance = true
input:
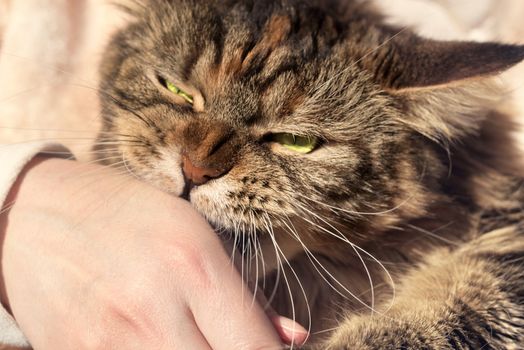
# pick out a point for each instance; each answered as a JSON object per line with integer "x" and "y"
{"x": 120, "y": 324}
{"x": 189, "y": 262}
{"x": 120, "y": 316}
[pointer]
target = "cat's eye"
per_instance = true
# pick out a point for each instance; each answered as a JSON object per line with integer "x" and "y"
{"x": 296, "y": 143}
{"x": 178, "y": 91}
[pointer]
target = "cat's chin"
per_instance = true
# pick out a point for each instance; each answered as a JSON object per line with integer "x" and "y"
{"x": 208, "y": 199}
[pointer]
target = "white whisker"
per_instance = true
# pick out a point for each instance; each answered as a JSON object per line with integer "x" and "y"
{"x": 279, "y": 255}
{"x": 339, "y": 235}
{"x": 353, "y": 246}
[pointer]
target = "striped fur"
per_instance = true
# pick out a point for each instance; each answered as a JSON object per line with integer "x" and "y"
{"x": 402, "y": 230}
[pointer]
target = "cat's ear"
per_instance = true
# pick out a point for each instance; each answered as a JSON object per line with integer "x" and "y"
{"x": 442, "y": 87}
{"x": 408, "y": 61}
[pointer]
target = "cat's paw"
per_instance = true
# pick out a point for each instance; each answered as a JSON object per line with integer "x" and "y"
{"x": 386, "y": 335}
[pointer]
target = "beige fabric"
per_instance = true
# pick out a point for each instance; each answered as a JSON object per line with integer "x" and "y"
{"x": 48, "y": 69}
{"x": 478, "y": 20}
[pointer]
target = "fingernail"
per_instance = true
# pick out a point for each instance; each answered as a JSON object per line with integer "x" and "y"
{"x": 290, "y": 331}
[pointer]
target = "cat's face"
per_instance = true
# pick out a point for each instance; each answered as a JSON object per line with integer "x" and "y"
{"x": 264, "y": 113}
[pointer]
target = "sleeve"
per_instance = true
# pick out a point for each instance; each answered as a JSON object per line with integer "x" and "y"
{"x": 13, "y": 159}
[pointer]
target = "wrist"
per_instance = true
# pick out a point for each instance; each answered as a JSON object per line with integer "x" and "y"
{"x": 8, "y": 204}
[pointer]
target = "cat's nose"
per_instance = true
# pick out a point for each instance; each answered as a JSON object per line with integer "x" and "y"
{"x": 199, "y": 175}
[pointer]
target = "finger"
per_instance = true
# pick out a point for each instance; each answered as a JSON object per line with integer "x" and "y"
{"x": 187, "y": 335}
{"x": 228, "y": 318}
{"x": 290, "y": 332}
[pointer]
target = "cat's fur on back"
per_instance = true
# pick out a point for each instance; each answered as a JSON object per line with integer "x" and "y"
{"x": 402, "y": 227}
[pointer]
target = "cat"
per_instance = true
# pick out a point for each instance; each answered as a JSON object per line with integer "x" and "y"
{"x": 367, "y": 174}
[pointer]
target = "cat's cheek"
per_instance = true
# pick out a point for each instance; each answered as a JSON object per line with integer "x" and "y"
{"x": 211, "y": 199}
{"x": 164, "y": 182}
{"x": 171, "y": 173}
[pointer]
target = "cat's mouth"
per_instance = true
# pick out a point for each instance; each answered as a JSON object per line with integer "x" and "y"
{"x": 195, "y": 175}
{"x": 188, "y": 187}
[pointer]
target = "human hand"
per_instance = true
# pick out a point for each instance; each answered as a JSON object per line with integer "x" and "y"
{"x": 95, "y": 260}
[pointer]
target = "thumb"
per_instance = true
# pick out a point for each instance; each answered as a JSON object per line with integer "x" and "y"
{"x": 290, "y": 332}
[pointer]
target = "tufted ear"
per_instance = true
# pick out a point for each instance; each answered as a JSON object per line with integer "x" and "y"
{"x": 441, "y": 86}
{"x": 408, "y": 61}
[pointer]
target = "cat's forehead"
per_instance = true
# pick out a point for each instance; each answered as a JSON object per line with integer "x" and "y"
{"x": 238, "y": 35}
{"x": 234, "y": 52}
{"x": 281, "y": 66}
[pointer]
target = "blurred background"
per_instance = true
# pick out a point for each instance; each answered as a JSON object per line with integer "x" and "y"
{"x": 50, "y": 49}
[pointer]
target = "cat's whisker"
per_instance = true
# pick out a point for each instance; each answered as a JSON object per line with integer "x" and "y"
{"x": 296, "y": 236}
{"x": 128, "y": 168}
{"x": 301, "y": 286}
{"x": 117, "y": 137}
{"x": 359, "y": 248}
{"x": 260, "y": 252}
{"x": 235, "y": 244}
{"x": 121, "y": 143}
{"x": 314, "y": 261}
{"x": 27, "y": 91}
{"x": 356, "y": 248}
{"x": 147, "y": 121}
{"x": 279, "y": 255}
{"x": 96, "y": 161}
{"x": 97, "y": 173}
{"x": 122, "y": 105}
{"x": 388, "y": 274}
{"x": 65, "y": 153}
{"x": 49, "y": 66}
{"x": 111, "y": 194}
{"x": 86, "y": 140}
{"x": 274, "y": 291}
{"x": 72, "y": 131}
{"x": 311, "y": 256}
{"x": 73, "y": 142}
{"x": 93, "y": 154}
{"x": 254, "y": 242}
{"x": 242, "y": 261}
{"x": 328, "y": 330}
{"x": 250, "y": 253}
{"x": 80, "y": 166}
{"x": 434, "y": 235}
{"x": 341, "y": 236}
{"x": 111, "y": 136}
{"x": 359, "y": 213}
{"x": 238, "y": 235}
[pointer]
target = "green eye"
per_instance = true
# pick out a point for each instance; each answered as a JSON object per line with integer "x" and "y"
{"x": 300, "y": 144}
{"x": 177, "y": 91}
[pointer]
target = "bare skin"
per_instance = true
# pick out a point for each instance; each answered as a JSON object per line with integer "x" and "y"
{"x": 95, "y": 260}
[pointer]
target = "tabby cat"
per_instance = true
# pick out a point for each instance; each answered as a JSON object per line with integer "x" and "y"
{"x": 367, "y": 175}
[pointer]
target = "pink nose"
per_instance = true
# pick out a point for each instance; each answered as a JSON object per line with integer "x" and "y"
{"x": 199, "y": 175}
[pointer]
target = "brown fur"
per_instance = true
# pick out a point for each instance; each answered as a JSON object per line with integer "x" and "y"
{"x": 402, "y": 230}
